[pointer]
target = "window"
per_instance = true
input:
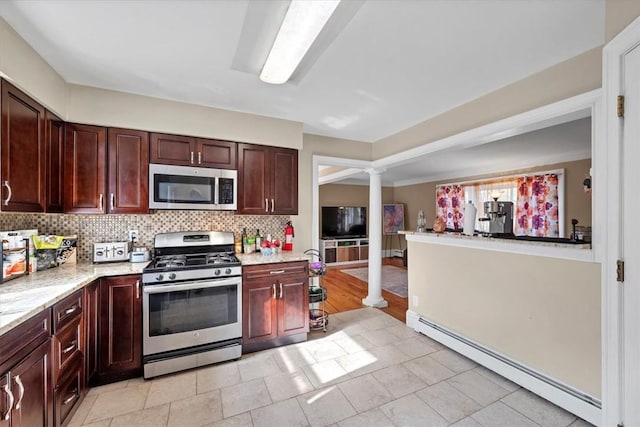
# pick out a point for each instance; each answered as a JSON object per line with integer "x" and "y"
{"x": 537, "y": 200}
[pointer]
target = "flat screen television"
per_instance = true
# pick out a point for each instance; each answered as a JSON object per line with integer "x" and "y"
{"x": 344, "y": 222}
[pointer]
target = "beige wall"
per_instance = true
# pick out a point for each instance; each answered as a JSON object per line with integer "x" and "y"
{"x": 619, "y": 14}
{"x": 111, "y": 108}
{"x": 322, "y": 146}
{"x": 542, "y": 312}
{"x": 27, "y": 70}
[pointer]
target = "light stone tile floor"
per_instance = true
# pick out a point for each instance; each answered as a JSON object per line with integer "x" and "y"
{"x": 368, "y": 369}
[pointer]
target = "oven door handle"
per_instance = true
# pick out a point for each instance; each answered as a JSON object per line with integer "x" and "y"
{"x": 185, "y": 286}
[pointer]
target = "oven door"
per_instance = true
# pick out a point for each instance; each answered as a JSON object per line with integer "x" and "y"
{"x": 186, "y": 314}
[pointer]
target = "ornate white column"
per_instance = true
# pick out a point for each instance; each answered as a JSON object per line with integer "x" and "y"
{"x": 374, "y": 299}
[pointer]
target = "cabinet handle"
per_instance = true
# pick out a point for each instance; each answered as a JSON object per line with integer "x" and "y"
{"x": 276, "y": 272}
{"x": 113, "y": 201}
{"x": 70, "y": 398}
{"x": 68, "y": 311}
{"x": 21, "y": 388}
{"x": 266, "y": 205}
{"x": 272, "y": 205}
{"x": 199, "y": 157}
{"x": 7, "y": 390}
{"x": 137, "y": 289}
{"x": 280, "y": 290}
{"x": 274, "y": 290}
{"x": 101, "y": 201}
{"x": 70, "y": 347}
{"x": 6, "y": 201}
{"x": 192, "y": 157}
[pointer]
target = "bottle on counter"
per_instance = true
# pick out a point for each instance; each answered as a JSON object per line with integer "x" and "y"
{"x": 258, "y": 241}
{"x": 243, "y": 239}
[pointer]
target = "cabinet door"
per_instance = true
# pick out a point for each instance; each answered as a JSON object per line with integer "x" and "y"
{"x": 91, "y": 313}
{"x": 128, "y": 161}
{"x": 172, "y": 149}
{"x": 293, "y": 305}
{"x": 31, "y": 387}
{"x": 85, "y": 173}
{"x": 4, "y": 400}
{"x": 212, "y": 153}
{"x": 54, "y": 149}
{"x": 253, "y": 180}
{"x": 259, "y": 317}
{"x": 284, "y": 181}
{"x": 120, "y": 328}
{"x": 22, "y": 169}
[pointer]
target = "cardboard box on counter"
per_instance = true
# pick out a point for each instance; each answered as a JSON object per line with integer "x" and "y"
{"x": 52, "y": 250}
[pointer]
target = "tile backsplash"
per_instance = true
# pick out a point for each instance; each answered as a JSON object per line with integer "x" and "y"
{"x": 110, "y": 228}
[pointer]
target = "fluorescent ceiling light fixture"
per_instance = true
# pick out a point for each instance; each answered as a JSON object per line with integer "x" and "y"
{"x": 301, "y": 25}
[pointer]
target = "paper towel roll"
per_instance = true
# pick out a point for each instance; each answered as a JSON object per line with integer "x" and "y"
{"x": 469, "y": 219}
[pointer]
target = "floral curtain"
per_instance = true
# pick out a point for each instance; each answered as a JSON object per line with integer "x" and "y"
{"x": 537, "y": 206}
{"x": 449, "y": 201}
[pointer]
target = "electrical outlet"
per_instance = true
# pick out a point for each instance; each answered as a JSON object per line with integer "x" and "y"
{"x": 133, "y": 235}
{"x": 415, "y": 300}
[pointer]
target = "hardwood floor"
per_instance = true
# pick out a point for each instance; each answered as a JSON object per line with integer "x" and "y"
{"x": 345, "y": 292}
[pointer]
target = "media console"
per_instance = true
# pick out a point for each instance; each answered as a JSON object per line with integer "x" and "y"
{"x": 344, "y": 251}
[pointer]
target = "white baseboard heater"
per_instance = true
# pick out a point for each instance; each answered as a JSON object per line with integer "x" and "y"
{"x": 575, "y": 401}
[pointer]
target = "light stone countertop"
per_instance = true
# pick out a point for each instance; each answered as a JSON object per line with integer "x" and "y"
{"x": 24, "y": 297}
{"x": 281, "y": 256}
{"x": 570, "y": 251}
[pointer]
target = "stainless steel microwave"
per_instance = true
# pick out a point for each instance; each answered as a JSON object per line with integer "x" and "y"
{"x": 185, "y": 187}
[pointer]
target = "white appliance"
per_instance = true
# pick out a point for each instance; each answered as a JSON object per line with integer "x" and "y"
{"x": 186, "y": 187}
{"x": 110, "y": 252}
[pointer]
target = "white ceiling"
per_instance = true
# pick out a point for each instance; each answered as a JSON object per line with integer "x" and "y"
{"x": 379, "y": 67}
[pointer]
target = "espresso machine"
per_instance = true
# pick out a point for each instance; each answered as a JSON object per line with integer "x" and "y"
{"x": 500, "y": 217}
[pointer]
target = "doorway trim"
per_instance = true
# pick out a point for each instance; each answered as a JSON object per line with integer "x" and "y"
{"x": 613, "y": 392}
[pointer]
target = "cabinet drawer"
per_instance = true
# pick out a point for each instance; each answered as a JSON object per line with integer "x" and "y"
{"x": 275, "y": 270}
{"x": 67, "y": 347}
{"x": 68, "y": 392}
{"x": 67, "y": 310}
{"x": 21, "y": 340}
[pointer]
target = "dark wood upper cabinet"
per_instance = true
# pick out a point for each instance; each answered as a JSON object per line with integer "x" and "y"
{"x": 128, "y": 171}
{"x": 172, "y": 149}
{"x": 22, "y": 146}
{"x": 213, "y": 153}
{"x": 54, "y": 149}
{"x": 267, "y": 180}
{"x": 85, "y": 150}
{"x": 188, "y": 151}
{"x": 106, "y": 171}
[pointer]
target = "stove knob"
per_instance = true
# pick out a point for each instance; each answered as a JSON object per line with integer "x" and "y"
{"x": 217, "y": 272}
{"x": 160, "y": 277}
{"x": 172, "y": 276}
{"x": 227, "y": 271}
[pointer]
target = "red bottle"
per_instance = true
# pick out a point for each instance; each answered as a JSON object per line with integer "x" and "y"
{"x": 288, "y": 237}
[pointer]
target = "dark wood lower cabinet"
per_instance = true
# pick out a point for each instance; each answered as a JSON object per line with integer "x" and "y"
{"x": 91, "y": 326}
{"x": 25, "y": 374}
{"x": 275, "y": 302}
{"x": 120, "y": 331}
{"x": 69, "y": 393}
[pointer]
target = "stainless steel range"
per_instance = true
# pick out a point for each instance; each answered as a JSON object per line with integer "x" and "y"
{"x": 192, "y": 296}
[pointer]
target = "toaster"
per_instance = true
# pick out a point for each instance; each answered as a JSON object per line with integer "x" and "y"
{"x": 110, "y": 252}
